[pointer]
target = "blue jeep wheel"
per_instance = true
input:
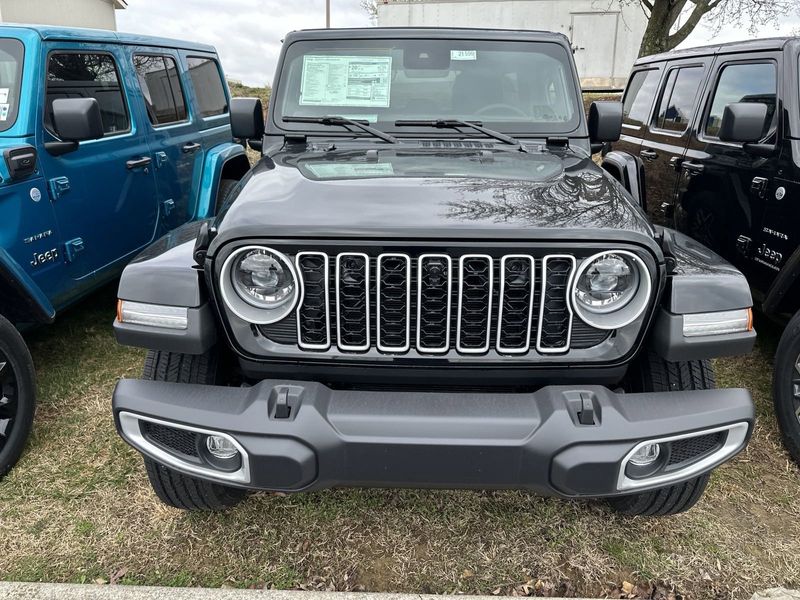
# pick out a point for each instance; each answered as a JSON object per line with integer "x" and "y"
{"x": 17, "y": 395}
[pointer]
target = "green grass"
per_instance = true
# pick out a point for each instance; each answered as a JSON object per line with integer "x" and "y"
{"x": 78, "y": 509}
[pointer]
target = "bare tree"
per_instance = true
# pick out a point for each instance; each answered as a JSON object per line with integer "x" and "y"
{"x": 371, "y": 6}
{"x": 671, "y": 21}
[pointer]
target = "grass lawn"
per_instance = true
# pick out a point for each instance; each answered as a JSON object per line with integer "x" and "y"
{"x": 78, "y": 508}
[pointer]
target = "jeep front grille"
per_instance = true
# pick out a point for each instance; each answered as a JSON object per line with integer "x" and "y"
{"x": 436, "y": 303}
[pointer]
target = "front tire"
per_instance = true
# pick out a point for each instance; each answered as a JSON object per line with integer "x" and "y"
{"x": 654, "y": 374}
{"x": 17, "y": 395}
{"x": 786, "y": 387}
{"x": 226, "y": 187}
{"x": 172, "y": 487}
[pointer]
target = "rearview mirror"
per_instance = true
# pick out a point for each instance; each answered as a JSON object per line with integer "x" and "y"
{"x": 77, "y": 119}
{"x": 743, "y": 122}
{"x": 605, "y": 123}
{"x": 247, "y": 119}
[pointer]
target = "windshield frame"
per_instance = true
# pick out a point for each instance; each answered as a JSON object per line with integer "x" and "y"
{"x": 532, "y": 130}
{"x": 14, "y": 93}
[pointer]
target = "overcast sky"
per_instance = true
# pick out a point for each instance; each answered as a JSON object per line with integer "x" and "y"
{"x": 248, "y": 33}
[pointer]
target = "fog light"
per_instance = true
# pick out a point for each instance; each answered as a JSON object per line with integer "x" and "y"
{"x": 646, "y": 455}
{"x": 221, "y": 447}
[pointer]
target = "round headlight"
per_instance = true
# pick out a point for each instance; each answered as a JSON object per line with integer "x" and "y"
{"x": 608, "y": 283}
{"x": 259, "y": 284}
{"x": 611, "y": 289}
{"x": 262, "y": 279}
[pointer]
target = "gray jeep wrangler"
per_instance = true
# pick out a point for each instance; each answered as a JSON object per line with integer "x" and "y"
{"x": 427, "y": 282}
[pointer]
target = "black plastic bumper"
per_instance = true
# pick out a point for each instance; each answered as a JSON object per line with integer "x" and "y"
{"x": 403, "y": 439}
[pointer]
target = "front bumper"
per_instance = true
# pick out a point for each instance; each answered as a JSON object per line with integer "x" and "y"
{"x": 536, "y": 441}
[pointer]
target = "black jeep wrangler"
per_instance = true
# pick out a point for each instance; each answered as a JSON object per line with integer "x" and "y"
{"x": 718, "y": 132}
{"x": 427, "y": 282}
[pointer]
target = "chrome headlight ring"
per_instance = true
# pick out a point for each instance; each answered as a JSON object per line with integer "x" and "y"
{"x": 628, "y": 311}
{"x": 247, "y": 309}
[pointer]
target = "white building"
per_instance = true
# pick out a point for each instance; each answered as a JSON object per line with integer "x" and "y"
{"x": 605, "y": 34}
{"x": 98, "y": 14}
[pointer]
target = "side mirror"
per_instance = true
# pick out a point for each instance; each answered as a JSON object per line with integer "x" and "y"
{"x": 77, "y": 119}
{"x": 743, "y": 122}
{"x": 605, "y": 123}
{"x": 247, "y": 119}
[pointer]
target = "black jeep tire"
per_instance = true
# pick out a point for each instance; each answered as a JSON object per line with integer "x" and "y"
{"x": 651, "y": 373}
{"x": 786, "y": 379}
{"x": 17, "y": 395}
{"x": 172, "y": 487}
{"x": 226, "y": 186}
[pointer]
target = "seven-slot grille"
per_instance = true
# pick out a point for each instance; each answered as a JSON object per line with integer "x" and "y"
{"x": 435, "y": 303}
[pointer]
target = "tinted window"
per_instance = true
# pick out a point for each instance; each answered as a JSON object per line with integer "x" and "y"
{"x": 639, "y": 97}
{"x": 11, "y": 52}
{"x": 88, "y": 76}
{"x": 754, "y": 82}
{"x": 510, "y": 86}
{"x": 208, "y": 87}
{"x": 677, "y": 102}
{"x": 161, "y": 88}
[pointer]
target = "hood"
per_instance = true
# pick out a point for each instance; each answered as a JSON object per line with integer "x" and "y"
{"x": 418, "y": 193}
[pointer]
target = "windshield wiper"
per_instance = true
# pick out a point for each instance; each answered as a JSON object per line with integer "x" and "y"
{"x": 457, "y": 123}
{"x": 344, "y": 122}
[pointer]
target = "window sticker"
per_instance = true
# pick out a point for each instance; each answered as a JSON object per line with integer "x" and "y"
{"x": 4, "y": 112}
{"x": 346, "y": 81}
{"x": 463, "y": 55}
{"x": 4, "y": 95}
{"x": 334, "y": 170}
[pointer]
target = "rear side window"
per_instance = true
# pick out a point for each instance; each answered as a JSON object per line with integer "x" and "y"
{"x": 748, "y": 82}
{"x": 161, "y": 88}
{"x": 677, "y": 101}
{"x": 11, "y": 55}
{"x": 208, "y": 86}
{"x": 639, "y": 97}
{"x": 84, "y": 75}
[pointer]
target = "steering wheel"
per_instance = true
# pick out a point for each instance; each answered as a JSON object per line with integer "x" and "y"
{"x": 505, "y": 107}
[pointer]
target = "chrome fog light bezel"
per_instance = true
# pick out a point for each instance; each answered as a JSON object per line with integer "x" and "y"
{"x": 130, "y": 428}
{"x": 734, "y": 442}
{"x": 614, "y": 318}
{"x": 244, "y": 309}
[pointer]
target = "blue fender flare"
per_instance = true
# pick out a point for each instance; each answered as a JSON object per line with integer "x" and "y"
{"x": 215, "y": 161}
{"x": 23, "y": 300}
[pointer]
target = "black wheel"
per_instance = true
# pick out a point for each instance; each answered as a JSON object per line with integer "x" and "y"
{"x": 226, "y": 186}
{"x": 172, "y": 487}
{"x": 653, "y": 374}
{"x": 17, "y": 395}
{"x": 786, "y": 386}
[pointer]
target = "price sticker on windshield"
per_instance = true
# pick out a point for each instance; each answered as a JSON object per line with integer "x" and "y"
{"x": 463, "y": 55}
{"x": 346, "y": 81}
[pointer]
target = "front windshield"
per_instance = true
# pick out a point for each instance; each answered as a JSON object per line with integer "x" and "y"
{"x": 11, "y": 53}
{"x": 514, "y": 87}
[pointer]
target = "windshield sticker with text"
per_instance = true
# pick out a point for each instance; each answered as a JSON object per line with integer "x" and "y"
{"x": 346, "y": 81}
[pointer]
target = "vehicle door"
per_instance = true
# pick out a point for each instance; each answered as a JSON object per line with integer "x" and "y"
{"x": 104, "y": 192}
{"x": 668, "y": 133}
{"x": 210, "y": 101}
{"x": 722, "y": 188}
{"x": 173, "y": 132}
{"x": 637, "y": 106}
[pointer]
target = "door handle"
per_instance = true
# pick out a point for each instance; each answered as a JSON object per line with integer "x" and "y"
{"x": 191, "y": 147}
{"x": 649, "y": 154}
{"x": 693, "y": 168}
{"x": 138, "y": 163}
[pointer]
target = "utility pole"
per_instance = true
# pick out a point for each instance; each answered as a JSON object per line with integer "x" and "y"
{"x": 327, "y": 14}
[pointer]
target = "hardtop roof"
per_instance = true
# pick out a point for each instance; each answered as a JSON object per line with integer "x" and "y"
{"x": 775, "y": 43}
{"x": 429, "y": 32}
{"x": 52, "y": 32}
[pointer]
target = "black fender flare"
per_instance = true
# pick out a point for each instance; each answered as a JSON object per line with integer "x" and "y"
{"x": 22, "y": 301}
{"x": 779, "y": 292}
{"x": 629, "y": 171}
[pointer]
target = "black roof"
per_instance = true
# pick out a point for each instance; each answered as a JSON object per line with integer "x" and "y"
{"x": 777, "y": 43}
{"x": 429, "y": 32}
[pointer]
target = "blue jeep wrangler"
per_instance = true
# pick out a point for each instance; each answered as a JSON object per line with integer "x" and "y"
{"x": 108, "y": 141}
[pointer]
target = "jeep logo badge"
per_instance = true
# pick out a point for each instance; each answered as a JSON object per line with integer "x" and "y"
{"x": 36, "y": 195}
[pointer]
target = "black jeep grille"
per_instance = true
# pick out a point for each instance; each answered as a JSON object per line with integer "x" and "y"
{"x": 435, "y": 303}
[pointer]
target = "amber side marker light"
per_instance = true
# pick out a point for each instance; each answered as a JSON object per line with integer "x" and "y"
{"x": 718, "y": 323}
{"x": 152, "y": 315}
